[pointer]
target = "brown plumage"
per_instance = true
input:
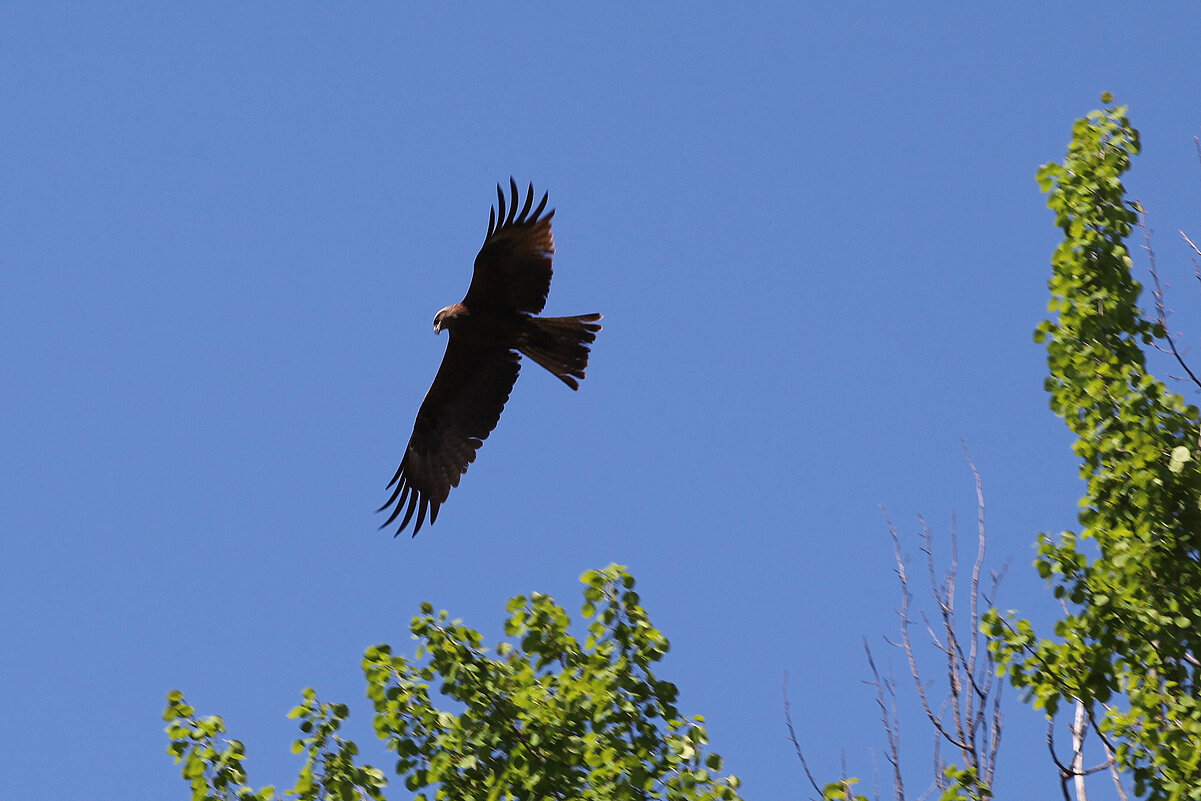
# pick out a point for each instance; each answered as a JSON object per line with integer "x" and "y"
{"x": 489, "y": 330}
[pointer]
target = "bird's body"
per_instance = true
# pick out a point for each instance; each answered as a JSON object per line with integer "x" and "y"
{"x": 489, "y": 331}
{"x": 484, "y": 327}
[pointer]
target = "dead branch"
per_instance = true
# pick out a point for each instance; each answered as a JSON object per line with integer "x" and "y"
{"x": 886, "y": 699}
{"x": 1161, "y": 314}
{"x": 792, "y": 738}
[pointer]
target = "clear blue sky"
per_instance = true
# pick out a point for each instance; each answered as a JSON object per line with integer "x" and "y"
{"x": 817, "y": 241}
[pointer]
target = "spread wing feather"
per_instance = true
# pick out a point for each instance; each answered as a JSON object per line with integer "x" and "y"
{"x": 513, "y": 268}
{"x": 458, "y": 413}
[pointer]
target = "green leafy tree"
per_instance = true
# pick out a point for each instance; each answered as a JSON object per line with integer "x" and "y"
{"x": 1125, "y": 655}
{"x": 542, "y": 717}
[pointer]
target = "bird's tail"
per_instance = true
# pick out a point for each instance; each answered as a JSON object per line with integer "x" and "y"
{"x": 560, "y": 344}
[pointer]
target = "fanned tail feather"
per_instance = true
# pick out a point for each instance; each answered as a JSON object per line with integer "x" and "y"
{"x": 560, "y": 344}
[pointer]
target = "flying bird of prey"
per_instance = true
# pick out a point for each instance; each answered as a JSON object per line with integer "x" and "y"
{"x": 489, "y": 331}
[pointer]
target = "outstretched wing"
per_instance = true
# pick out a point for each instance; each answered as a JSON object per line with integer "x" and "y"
{"x": 513, "y": 268}
{"x": 460, "y": 410}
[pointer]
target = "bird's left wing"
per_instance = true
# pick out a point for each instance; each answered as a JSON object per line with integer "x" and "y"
{"x": 461, "y": 408}
{"x": 513, "y": 268}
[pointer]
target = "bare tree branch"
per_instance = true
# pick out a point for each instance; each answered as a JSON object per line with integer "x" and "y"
{"x": 907, "y": 644}
{"x": 1113, "y": 772}
{"x": 1078, "y": 730}
{"x": 1065, "y": 772}
{"x": 846, "y": 784}
{"x": 969, "y": 716}
{"x": 792, "y": 738}
{"x": 991, "y": 732}
{"x": 1190, "y": 242}
{"x": 1160, "y": 307}
{"x": 886, "y": 699}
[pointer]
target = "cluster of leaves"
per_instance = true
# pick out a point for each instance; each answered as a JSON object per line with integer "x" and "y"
{"x": 214, "y": 768}
{"x": 545, "y": 718}
{"x": 550, "y": 717}
{"x": 1127, "y": 649}
{"x": 962, "y": 784}
{"x": 329, "y": 769}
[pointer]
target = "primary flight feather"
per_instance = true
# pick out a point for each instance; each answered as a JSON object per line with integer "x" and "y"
{"x": 489, "y": 331}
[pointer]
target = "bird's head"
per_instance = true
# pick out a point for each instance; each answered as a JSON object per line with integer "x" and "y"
{"x": 442, "y": 320}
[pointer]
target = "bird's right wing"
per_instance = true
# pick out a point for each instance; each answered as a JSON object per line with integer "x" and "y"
{"x": 461, "y": 408}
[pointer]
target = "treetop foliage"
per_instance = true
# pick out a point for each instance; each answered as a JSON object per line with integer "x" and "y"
{"x": 543, "y": 716}
{"x": 1127, "y": 648}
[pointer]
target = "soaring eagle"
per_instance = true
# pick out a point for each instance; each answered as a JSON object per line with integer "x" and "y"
{"x": 489, "y": 331}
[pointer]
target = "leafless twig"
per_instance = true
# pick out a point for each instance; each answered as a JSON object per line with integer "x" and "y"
{"x": 973, "y": 699}
{"x": 1065, "y": 772}
{"x": 886, "y": 699}
{"x": 792, "y": 738}
{"x": 969, "y": 716}
{"x": 1161, "y": 314}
